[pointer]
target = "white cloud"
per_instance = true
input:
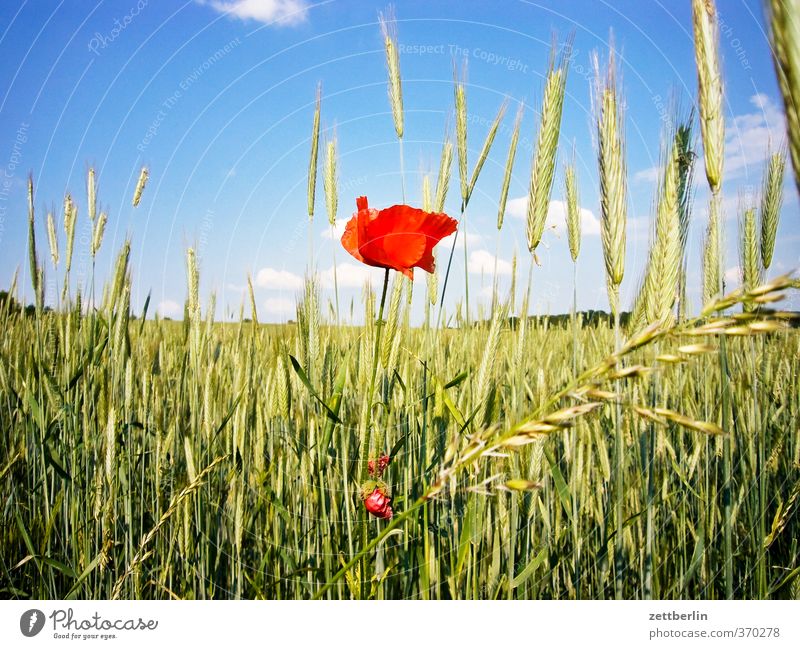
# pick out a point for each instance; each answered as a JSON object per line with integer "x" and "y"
{"x": 280, "y": 306}
{"x": 169, "y": 309}
{"x": 338, "y": 230}
{"x": 649, "y": 175}
{"x": 733, "y": 275}
{"x": 748, "y": 136}
{"x": 278, "y": 280}
{"x": 556, "y": 216}
{"x": 483, "y": 261}
{"x": 281, "y": 12}
{"x": 557, "y": 219}
{"x": 350, "y": 276}
{"x": 472, "y": 239}
{"x": 486, "y": 292}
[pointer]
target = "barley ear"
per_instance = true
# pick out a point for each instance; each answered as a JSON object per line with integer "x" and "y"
{"x": 711, "y": 252}
{"x": 487, "y": 145}
{"x": 97, "y": 234}
{"x": 251, "y": 295}
{"x": 52, "y": 238}
{"x": 33, "y": 258}
{"x": 749, "y": 261}
{"x": 771, "y": 201}
{"x": 312, "y": 161}
{"x": 389, "y": 32}
{"x": 573, "y": 208}
{"x": 544, "y": 158}
{"x": 784, "y": 18}
{"x": 709, "y": 85}
{"x": 443, "y": 179}
{"x": 91, "y": 194}
{"x": 666, "y": 253}
{"x": 330, "y": 180}
{"x": 70, "y": 219}
{"x": 609, "y": 119}
{"x": 512, "y": 153}
{"x": 427, "y": 205}
{"x": 461, "y": 131}
{"x": 144, "y": 174}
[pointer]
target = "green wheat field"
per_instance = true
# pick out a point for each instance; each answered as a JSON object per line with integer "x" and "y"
{"x": 650, "y": 452}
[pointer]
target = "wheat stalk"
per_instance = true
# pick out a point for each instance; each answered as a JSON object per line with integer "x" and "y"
{"x": 52, "y": 238}
{"x": 91, "y": 194}
{"x": 609, "y": 120}
{"x": 97, "y": 233}
{"x": 709, "y": 84}
{"x": 144, "y": 174}
{"x": 443, "y": 179}
{"x": 330, "y": 181}
{"x": 784, "y": 18}
{"x": 176, "y": 501}
{"x": 460, "y": 95}
{"x": 573, "y": 215}
{"x": 507, "y": 171}
{"x": 748, "y": 244}
{"x": 666, "y": 255}
{"x": 312, "y": 159}
{"x": 33, "y": 258}
{"x": 484, "y": 153}
{"x": 771, "y": 201}
{"x": 252, "y": 297}
{"x": 712, "y": 249}
{"x": 389, "y": 33}
{"x": 544, "y": 158}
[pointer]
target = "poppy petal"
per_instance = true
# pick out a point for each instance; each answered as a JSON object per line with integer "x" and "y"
{"x": 393, "y": 238}
{"x": 350, "y": 238}
{"x": 399, "y": 237}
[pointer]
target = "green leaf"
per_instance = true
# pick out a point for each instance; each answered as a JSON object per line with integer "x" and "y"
{"x": 561, "y": 484}
{"x": 304, "y": 378}
{"x": 697, "y": 557}
{"x": 520, "y": 484}
{"x": 73, "y": 592}
{"x": 456, "y": 380}
{"x": 26, "y": 538}
{"x": 467, "y": 531}
{"x": 528, "y": 570}
{"x": 58, "y": 565}
{"x": 230, "y": 413}
{"x": 334, "y": 406}
{"x": 53, "y": 460}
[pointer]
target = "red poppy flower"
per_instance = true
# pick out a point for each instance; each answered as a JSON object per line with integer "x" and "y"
{"x": 378, "y": 504}
{"x": 400, "y": 237}
{"x": 383, "y": 462}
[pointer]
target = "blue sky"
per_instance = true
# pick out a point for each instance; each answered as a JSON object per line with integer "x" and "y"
{"x": 216, "y": 98}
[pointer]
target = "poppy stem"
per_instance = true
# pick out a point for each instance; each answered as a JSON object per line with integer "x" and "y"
{"x": 365, "y": 452}
{"x": 375, "y": 352}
